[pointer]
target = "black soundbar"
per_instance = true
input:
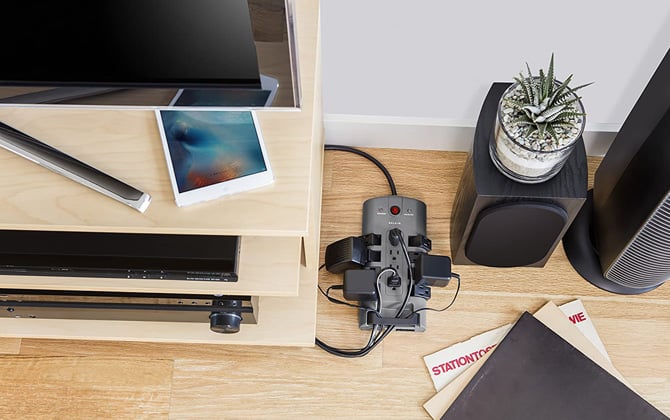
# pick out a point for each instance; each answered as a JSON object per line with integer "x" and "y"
{"x": 119, "y": 255}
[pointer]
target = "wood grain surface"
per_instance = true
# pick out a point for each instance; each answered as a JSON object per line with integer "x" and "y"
{"x": 94, "y": 379}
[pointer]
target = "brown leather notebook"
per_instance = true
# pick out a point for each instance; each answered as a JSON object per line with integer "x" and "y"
{"x": 536, "y": 374}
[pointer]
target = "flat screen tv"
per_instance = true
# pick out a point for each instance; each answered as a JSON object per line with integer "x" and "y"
{"x": 149, "y": 53}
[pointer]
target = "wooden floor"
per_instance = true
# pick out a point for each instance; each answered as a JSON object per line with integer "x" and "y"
{"x": 73, "y": 379}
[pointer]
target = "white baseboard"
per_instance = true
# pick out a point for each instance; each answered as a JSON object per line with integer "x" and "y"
{"x": 430, "y": 133}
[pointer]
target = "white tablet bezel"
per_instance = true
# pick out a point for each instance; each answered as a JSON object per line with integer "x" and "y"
{"x": 221, "y": 189}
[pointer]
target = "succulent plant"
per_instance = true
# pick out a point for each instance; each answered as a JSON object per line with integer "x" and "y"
{"x": 544, "y": 105}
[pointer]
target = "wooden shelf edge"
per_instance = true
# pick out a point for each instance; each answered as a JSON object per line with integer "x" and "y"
{"x": 282, "y": 321}
{"x": 268, "y": 266}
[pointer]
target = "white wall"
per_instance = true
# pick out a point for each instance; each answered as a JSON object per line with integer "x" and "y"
{"x": 414, "y": 73}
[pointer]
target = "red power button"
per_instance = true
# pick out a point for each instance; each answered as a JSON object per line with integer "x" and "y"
{"x": 395, "y": 210}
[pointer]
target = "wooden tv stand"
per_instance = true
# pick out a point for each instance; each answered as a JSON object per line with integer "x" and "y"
{"x": 278, "y": 225}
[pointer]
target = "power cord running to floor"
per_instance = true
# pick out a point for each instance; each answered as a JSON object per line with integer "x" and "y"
{"x": 369, "y": 157}
{"x": 377, "y": 334}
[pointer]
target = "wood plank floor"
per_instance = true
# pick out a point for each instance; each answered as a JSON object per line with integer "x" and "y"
{"x": 86, "y": 379}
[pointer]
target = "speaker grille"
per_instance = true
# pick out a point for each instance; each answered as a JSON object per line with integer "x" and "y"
{"x": 645, "y": 262}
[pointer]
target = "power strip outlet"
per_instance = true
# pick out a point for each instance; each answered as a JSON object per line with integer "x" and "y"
{"x": 381, "y": 216}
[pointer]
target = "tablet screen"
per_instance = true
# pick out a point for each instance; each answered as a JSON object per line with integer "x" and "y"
{"x": 213, "y": 153}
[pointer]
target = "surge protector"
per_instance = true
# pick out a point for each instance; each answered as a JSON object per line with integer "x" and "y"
{"x": 381, "y": 216}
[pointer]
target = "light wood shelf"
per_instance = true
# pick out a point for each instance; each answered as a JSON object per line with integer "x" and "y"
{"x": 279, "y": 224}
{"x": 276, "y": 274}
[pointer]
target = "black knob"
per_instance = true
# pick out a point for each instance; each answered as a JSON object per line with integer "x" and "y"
{"x": 225, "y": 322}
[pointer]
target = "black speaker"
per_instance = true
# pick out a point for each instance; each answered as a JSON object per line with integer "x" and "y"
{"x": 499, "y": 222}
{"x": 620, "y": 241}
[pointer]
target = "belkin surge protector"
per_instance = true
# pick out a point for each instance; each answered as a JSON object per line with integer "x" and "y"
{"x": 119, "y": 255}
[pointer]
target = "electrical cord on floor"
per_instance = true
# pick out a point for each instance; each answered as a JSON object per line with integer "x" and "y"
{"x": 360, "y": 352}
{"x": 378, "y": 333}
{"x": 403, "y": 245}
{"x": 369, "y": 157}
{"x": 410, "y": 283}
{"x": 453, "y": 299}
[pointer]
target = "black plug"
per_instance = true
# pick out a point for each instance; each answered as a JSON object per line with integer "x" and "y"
{"x": 433, "y": 270}
{"x": 394, "y": 281}
{"x": 360, "y": 285}
{"x": 395, "y": 235}
{"x": 346, "y": 254}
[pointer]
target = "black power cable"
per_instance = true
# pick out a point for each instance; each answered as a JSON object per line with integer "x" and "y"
{"x": 368, "y": 157}
{"x": 377, "y": 334}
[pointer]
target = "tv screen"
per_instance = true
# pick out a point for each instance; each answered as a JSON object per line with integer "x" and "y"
{"x": 65, "y": 50}
{"x": 128, "y": 42}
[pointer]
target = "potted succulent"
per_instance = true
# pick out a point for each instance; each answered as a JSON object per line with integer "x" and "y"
{"x": 539, "y": 121}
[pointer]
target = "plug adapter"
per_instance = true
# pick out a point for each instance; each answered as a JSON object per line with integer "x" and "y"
{"x": 434, "y": 270}
{"x": 346, "y": 254}
{"x": 360, "y": 285}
